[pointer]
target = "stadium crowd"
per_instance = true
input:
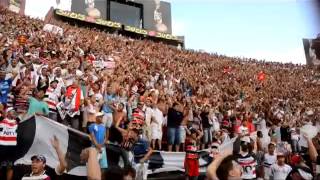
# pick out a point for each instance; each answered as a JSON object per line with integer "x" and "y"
{"x": 157, "y": 97}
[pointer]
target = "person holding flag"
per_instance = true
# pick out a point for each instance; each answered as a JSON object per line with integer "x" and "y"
{"x": 38, "y": 164}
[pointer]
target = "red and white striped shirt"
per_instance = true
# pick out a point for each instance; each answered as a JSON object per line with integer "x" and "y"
{"x": 8, "y": 132}
{"x": 51, "y": 98}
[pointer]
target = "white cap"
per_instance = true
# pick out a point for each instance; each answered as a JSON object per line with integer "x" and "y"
{"x": 99, "y": 114}
{"x": 245, "y": 139}
{"x": 215, "y": 145}
{"x": 309, "y": 113}
{"x": 110, "y": 59}
{"x": 79, "y": 73}
{"x": 9, "y": 109}
{"x": 27, "y": 54}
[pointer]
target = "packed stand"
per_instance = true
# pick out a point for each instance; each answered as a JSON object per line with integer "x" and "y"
{"x": 156, "y": 97}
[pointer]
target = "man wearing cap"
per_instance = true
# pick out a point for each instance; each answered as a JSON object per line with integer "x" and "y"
{"x": 280, "y": 170}
{"x": 247, "y": 159}
{"x": 38, "y": 169}
{"x": 98, "y": 136}
{"x": 38, "y": 164}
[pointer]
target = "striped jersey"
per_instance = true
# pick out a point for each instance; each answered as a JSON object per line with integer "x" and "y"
{"x": 8, "y": 132}
{"x": 248, "y": 163}
{"x": 52, "y": 99}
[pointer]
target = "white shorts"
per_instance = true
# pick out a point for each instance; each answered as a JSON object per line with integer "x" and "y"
{"x": 156, "y": 133}
{"x": 183, "y": 134}
{"x": 107, "y": 119}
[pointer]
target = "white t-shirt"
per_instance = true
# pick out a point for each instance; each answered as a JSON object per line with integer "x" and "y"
{"x": 269, "y": 160}
{"x": 318, "y": 124}
{"x": 294, "y": 134}
{"x": 64, "y": 72}
{"x": 215, "y": 122}
{"x": 156, "y": 124}
{"x": 280, "y": 172}
{"x": 261, "y": 124}
{"x": 149, "y": 112}
{"x": 243, "y": 130}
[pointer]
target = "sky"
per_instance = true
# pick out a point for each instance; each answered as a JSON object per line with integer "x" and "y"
{"x": 269, "y": 30}
{"x": 262, "y": 29}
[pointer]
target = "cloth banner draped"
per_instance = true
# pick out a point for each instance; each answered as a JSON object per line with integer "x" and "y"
{"x": 35, "y": 133}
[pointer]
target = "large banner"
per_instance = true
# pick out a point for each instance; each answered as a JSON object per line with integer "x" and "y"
{"x": 312, "y": 51}
{"x": 34, "y": 137}
{"x": 35, "y": 133}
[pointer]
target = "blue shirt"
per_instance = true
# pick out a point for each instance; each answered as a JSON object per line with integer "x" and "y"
{"x": 4, "y": 90}
{"x": 99, "y": 132}
{"x": 140, "y": 149}
{"x": 108, "y": 98}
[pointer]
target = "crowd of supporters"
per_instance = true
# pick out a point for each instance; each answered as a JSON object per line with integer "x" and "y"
{"x": 156, "y": 97}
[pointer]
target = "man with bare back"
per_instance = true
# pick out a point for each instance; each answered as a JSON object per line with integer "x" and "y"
{"x": 120, "y": 116}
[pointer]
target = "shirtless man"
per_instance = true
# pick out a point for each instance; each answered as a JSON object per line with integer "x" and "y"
{"x": 119, "y": 115}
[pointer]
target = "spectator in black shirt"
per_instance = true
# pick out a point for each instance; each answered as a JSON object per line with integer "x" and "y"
{"x": 285, "y": 135}
{"x": 175, "y": 117}
{"x": 207, "y": 135}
